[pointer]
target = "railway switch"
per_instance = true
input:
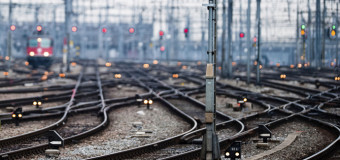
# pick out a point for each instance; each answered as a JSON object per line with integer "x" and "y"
{"x": 234, "y": 151}
{"x": 17, "y": 115}
{"x": 139, "y": 99}
{"x": 264, "y": 133}
{"x": 317, "y": 84}
{"x": 54, "y": 142}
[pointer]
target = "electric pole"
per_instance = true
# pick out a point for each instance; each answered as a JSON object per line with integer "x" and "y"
{"x": 317, "y": 56}
{"x": 230, "y": 38}
{"x": 210, "y": 146}
{"x": 337, "y": 39}
{"x": 248, "y": 41}
{"x": 68, "y": 13}
{"x": 258, "y": 15}
{"x": 224, "y": 17}
{"x": 9, "y": 40}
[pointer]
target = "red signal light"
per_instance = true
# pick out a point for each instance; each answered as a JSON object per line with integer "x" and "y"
{"x": 74, "y": 29}
{"x": 255, "y": 39}
{"x": 39, "y": 28}
{"x": 104, "y": 30}
{"x": 241, "y": 35}
{"x": 161, "y": 33}
{"x": 186, "y": 30}
{"x": 131, "y": 30}
{"x": 162, "y": 48}
{"x": 12, "y": 27}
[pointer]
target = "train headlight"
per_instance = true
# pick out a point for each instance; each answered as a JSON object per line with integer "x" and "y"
{"x": 150, "y": 101}
{"x": 46, "y": 54}
{"x": 13, "y": 115}
{"x": 35, "y": 103}
{"x": 39, "y": 103}
{"x": 19, "y": 115}
{"x": 237, "y": 154}
{"x": 32, "y": 53}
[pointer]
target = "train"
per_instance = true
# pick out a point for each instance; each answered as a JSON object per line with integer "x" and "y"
{"x": 39, "y": 51}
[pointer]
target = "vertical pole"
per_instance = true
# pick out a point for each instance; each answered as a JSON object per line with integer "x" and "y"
{"x": 317, "y": 56}
{"x": 68, "y": 12}
{"x": 9, "y": 40}
{"x": 258, "y": 41}
{"x": 224, "y": 25}
{"x": 210, "y": 147}
{"x": 230, "y": 20}
{"x": 241, "y": 30}
{"x": 248, "y": 41}
{"x": 323, "y": 34}
{"x": 297, "y": 53}
{"x": 309, "y": 33}
{"x": 337, "y": 39}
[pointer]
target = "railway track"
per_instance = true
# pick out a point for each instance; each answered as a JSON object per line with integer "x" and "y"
{"x": 275, "y": 112}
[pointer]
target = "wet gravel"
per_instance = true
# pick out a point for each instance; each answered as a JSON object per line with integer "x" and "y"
{"x": 257, "y": 89}
{"x": 169, "y": 151}
{"x": 178, "y": 82}
{"x": 122, "y": 91}
{"x": 77, "y": 124}
{"x": 221, "y": 105}
{"x": 9, "y": 96}
{"x": 311, "y": 140}
{"x": 120, "y": 133}
{"x": 44, "y": 105}
{"x": 304, "y": 85}
{"x": 333, "y": 110}
{"x": 10, "y": 130}
{"x": 193, "y": 110}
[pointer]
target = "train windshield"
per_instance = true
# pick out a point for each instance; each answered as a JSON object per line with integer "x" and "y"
{"x": 33, "y": 43}
{"x": 44, "y": 42}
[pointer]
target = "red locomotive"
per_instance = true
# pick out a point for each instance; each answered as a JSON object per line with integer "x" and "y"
{"x": 39, "y": 49}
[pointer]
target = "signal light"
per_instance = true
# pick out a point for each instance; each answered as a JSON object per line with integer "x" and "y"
{"x": 104, "y": 30}
{"x": 146, "y": 65}
{"x": 174, "y": 75}
{"x": 162, "y": 48}
{"x": 118, "y": 76}
{"x": 255, "y": 39}
{"x": 333, "y": 33}
{"x": 241, "y": 35}
{"x": 333, "y": 27}
{"x": 303, "y": 26}
{"x": 108, "y": 64}
{"x": 186, "y": 31}
{"x": 39, "y": 28}
{"x": 303, "y": 32}
{"x": 161, "y": 33}
{"x": 12, "y": 27}
{"x": 74, "y": 29}
{"x": 131, "y": 30}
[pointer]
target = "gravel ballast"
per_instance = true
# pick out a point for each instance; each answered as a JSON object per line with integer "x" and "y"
{"x": 311, "y": 140}
{"x": 119, "y": 135}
